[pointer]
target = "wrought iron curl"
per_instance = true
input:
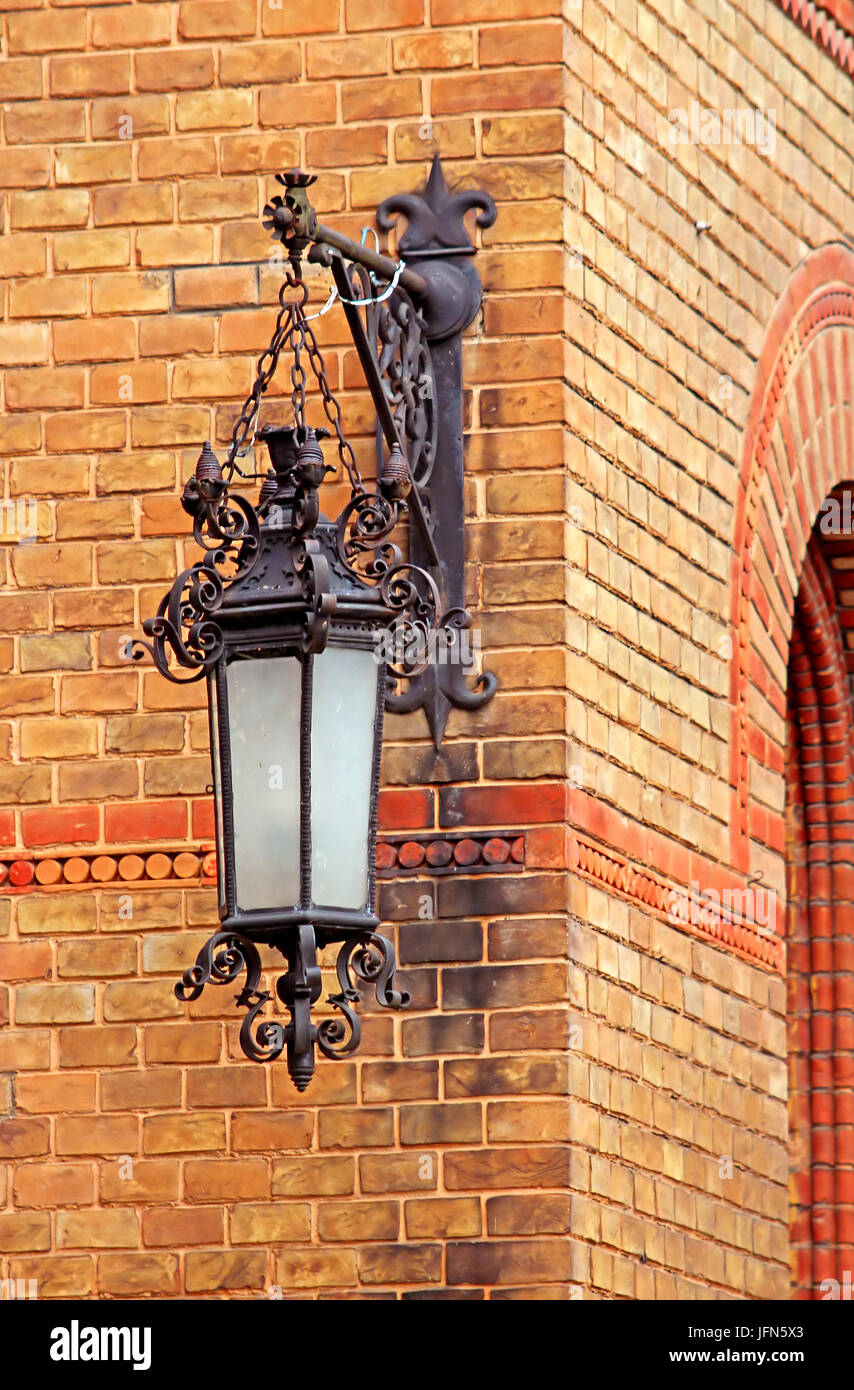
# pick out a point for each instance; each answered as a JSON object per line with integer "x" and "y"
{"x": 410, "y": 589}
{"x": 233, "y": 521}
{"x": 399, "y": 336}
{"x": 268, "y": 1041}
{"x": 311, "y": 564}
{"x": 339, "y": 1037}
{"x": 372, "y": 959}
{"x": 409, "y": 649}
{"x": 223, "y": 957}
{"x": 221, "y": 960}
{"x": 361, "y": 532}
{"x": 184, "y": 625}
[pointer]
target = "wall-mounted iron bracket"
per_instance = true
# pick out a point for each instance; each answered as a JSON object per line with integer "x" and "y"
{"x": 409, "y": 342}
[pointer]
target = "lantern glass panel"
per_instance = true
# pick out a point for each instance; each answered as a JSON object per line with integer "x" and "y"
{"x": 344, "y": 714}
{"x": 264, "y": 699}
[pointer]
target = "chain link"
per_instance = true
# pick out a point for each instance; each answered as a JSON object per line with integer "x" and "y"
{"x": 298, "y": 377}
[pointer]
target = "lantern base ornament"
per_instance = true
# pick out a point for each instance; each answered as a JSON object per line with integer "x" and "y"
{"x": 225, "y": 956}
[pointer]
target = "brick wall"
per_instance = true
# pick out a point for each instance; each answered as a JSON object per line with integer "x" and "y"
{"x": 588, "y": 1095}
{"x": 140, "y": 141}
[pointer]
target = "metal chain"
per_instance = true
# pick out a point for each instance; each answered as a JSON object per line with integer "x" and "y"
{"x": 298, "y": 378}
{"x": 331, "y": 406}
{"x": 268, "y": 361}
{"x": 292, "y": 327}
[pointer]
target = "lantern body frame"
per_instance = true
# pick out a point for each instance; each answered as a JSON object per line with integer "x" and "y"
{"x": 300, "y": 587}
{"x": 330, "y": 919}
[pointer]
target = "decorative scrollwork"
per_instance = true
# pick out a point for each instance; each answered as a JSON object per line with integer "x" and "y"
{"x": 339, "y": 1037}
{"x": 222, "y": 958}
{"x": 221, "y": 524}
{"x": 269, "y": 1040}
{"x": 227, "y": 954}
{"x": 371, "y": 958}
{"x": 228, "y": 529}
{"x": 410, "y": 589}
{"x": 407, "y": 370}
{"x": 361, "y": 532}
{"x": 184, "y": 625}
{"x": 311, "y": 564}
{"x": 399, "y": 337}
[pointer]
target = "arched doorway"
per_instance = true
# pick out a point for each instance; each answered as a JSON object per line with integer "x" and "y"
{"x": 820, "y": 916}
{"x": 791, "y": 740}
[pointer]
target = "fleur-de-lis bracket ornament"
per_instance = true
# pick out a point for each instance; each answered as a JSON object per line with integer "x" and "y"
{"x": 420, "y": 355}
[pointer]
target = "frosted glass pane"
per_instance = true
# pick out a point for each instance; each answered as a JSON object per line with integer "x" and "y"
{"x": 342, "y": 744}
{"x": 264, "y": 719}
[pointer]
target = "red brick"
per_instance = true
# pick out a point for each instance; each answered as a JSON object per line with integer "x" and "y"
{"x": 69, "y": 825}
{"x": 156, "y": 820}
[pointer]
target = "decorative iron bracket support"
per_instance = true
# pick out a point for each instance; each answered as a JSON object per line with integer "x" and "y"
{"x": 437, "y": 240}
{"x": 227, "y": 953}
{"x": 410, "y": 348}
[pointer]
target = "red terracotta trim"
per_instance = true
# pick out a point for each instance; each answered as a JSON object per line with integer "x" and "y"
{"x": 483, "y": 852}
{"x": 830, "y": 27}
{"x": 192, "y": 865}
{"x": 643, "y": 845}
{"x": 684, "y": 908}
{"x": 161, "y": 866}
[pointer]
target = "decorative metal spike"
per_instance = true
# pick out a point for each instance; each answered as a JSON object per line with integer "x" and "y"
{"x": 208, "y": 468}
{"x": 269, "y": 488}
{"x": 395, "y": 480}
{"x": 310, "y": 468}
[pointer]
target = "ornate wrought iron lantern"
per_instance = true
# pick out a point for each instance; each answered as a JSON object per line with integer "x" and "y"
{"x": 282, "y": 616}
{"x": 287, "y": 617}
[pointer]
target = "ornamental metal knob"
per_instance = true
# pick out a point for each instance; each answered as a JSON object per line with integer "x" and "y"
{"x": 269, "y": 488}
{"x": 310, "y": 469}
{"x": 395, "y": 479}
{"x": 207, "y": 484}
{"x": 208, "y": 466}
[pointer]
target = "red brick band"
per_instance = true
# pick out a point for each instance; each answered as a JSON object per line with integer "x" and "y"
{"x": 193, "y": 864}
